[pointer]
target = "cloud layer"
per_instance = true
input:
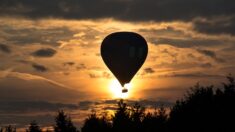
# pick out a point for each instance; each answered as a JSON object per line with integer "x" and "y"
{"x": 127, "y": 10}
{"x": 131, "y": 10}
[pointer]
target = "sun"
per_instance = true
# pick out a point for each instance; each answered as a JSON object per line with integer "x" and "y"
{"x": 116, "y": 89}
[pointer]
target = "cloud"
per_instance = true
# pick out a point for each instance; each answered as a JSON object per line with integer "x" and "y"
{"x": 44, "y": 52}
{"x": 5, "y": 73}
{"x": 228, "y": 69}
{"x": 148, "y": 70}
{"x": 21, "y": 113}
{"x": 17, "y": 86}
{"x": 172, "y": 54}
{"x": 192, "y": 75}
{"x": 85, "y": 105}
{"x": 190, "y": 55}
{"x": 164, "y": 95}
{"x": 69, "y": 63}
{"x": 24, "y": 61}
{"x": 106, "y": 75}
{"x": 29, "y": 106}
{"x": 119, "y": 9}
{"x": 81, "y": 66}
{"x": 4, "y": 48}
{"x": 230, "y": 48}
{"x": 211, "y": 54}
{"x": 166, "y": 31}
{"x": 187, "y": 42}
{"x": 216, "y": 26}
{"x": 39, "y": 67}
{"x": 33, "y": 33}
{"x": 26, "y": 97}
{"x": 92, "y": 75}
{"x": 206, "y": 65}
{"x": 100, "y": 75}
{"x": 219, "y": 11}
{"x": 155, "y": 104}
{"x": 111, "y": 104}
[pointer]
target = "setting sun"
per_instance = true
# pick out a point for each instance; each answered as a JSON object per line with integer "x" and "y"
{"x": 116, "y": 89}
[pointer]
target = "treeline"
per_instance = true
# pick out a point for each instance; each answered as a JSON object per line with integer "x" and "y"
{"x": 202, "y": 109}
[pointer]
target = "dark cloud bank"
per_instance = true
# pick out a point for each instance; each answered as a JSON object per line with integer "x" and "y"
{"x": 45, "y": 52}
{"x": 213, "y": 12}
{"x": 39, "y": 67}
{"x": 4, "y": 48}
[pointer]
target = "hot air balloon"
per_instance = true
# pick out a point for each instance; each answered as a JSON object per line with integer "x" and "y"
{"x": 124, "y": 53}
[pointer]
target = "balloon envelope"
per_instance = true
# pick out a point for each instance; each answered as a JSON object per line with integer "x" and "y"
{"x": 124, "y": 53}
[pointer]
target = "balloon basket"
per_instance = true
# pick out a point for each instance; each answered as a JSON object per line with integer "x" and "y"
{"x": 124, "y": 90}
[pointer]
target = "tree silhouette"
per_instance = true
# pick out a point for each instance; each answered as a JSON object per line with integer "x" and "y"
{"x": 136, "y": 116}
{"x": 94, "y": 123}
{"x": 225, "y": 106}
{"x": 121, "y": 119}
{"x": 155, "y": 121}
{"x": 202, "y": 109}
{"x": 34, "y": 127}
{"x": 64, "y": 123}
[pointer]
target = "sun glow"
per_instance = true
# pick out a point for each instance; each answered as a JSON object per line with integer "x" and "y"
{"x": 116, "y": 89}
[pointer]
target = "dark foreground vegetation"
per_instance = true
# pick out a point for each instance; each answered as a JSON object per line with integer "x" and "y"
{"x": 202, "y": 109}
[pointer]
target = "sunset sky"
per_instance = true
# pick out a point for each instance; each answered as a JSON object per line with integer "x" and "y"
{"x": 50, "y": 53}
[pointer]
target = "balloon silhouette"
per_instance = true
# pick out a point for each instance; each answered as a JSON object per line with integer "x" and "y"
{"x": 124, "y": 53}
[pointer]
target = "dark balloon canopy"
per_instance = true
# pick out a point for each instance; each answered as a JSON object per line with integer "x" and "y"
{"x": 124, "y": 53}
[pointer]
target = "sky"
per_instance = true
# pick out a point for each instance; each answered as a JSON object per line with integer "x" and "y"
{"x": 50, "y": 53}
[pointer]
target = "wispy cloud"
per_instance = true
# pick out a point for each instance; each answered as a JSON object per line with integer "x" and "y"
{"x": 193, "y": 75}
